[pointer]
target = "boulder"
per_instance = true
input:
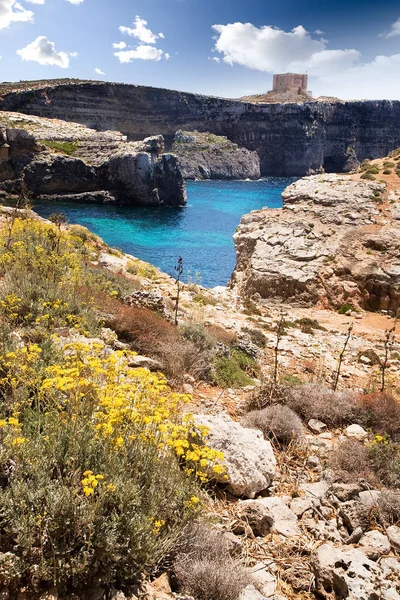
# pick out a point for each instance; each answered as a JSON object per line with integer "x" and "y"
{"x": 316, "y": 426}
{"x": 348, "y": 573}
{"x": 249, "y": 459}
{"x": 263, "y": 579}
{"x": 251, "y": 593}
{"x": 374, "y": 544}
{"x": 267, "y": 514}
{"x": 145, "y": 362}
{"x": 356, "y": 431}
{"x": 393, "y": 533}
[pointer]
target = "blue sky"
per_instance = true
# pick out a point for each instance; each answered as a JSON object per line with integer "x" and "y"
{"x": 351, "y": 49}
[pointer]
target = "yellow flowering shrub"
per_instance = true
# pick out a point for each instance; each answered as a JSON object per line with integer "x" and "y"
{"x": 105, "y": 469}
{"x": 47, "y": 277}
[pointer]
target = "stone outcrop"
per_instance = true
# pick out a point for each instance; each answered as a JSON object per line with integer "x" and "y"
{"x": 208, "y": 156}
{"x": 249, "y": 460}
{"x": 291, "y": 139}
{"x": 334, "y": 241}
{"x": 59, "y": 161}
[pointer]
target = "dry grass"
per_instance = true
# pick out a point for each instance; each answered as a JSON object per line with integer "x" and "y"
{"x": 276, "y": 421}
{"x": 313, "y": 401}
{"x": 204, "y": 567}
{"x": 350, "y": 462}
{"x": 389, "y": 506}
{"x": 152, "y": 335}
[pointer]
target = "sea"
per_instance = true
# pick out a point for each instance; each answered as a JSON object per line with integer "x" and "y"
{"x": 201, "y": 232}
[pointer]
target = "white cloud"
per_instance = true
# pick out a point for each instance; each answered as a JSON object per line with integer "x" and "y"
{"x": 141, "y": 52}
{"x": 44, "y": 52}
{"x": 374, "y": 80}
{"x": 12, "y": 11}
{"x": 340, "y": 72}
{"x": 215, "y": 59}
{"x": 273, "y": 50}
{"x": 119, "y": 45}
{"x": 99, "y": 71}
{"x": 36, "y": 1}
{"x": 75, "y": 1}
{"x": 167, "y": 56}
{"x": 141, "y": 32}
{"x": 394, "y": 29}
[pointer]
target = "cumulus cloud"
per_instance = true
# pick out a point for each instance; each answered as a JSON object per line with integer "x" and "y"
{"x": 215, "y": 59}
{"x": 141, "y": 52}
{"x": 119, "y": 45}
{"x": 75, "y": 1}
{"x": 12, "y": 11}
{"x": 141, "y": 32}
{"x": 99, "y": 71}
{"x": 36, "y": 1}
{"x": 272, "y": 50}
{"x": 44, "y": 52}
{"x": 394, "y": 30}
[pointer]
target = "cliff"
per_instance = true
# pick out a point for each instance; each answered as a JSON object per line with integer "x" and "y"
{"x": 334, "y": 242}
{"x": 59, "y": 161}
{"x": 290, "y": 139}
{"x": 209, "y": 156}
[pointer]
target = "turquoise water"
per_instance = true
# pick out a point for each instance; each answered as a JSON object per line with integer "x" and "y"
{"x": 201, "y": 232}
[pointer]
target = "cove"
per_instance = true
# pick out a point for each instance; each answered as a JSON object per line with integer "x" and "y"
{"x": 200, "y": 232}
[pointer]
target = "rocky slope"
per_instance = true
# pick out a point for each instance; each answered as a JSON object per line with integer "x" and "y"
{"x": 336, "y": 240}
{"x": 291, "y": 139}
{"x": 208, "y": 156}
{"x": 60, "y": 161}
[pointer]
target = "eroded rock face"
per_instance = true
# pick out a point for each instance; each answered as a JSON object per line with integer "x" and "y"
{"x": 348, "y": 573}
{"x": 248, "y": 459}
{"x": 208, "y": 156}
{"x": 332, "y": 242}
{"x": 61, "y": 161}
{"x": 291, "y": 139}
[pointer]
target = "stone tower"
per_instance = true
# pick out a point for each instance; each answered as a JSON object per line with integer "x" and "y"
{"x": 291, "y": 82}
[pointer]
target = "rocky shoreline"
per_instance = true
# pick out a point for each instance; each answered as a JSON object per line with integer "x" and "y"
{"x": 58, "y": 161}
{"x": 334, "y": 242}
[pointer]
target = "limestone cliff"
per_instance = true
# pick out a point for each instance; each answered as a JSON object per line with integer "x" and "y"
{"x": 336, "y": 240}
{"x": 209, "y": 156}
{"x": 290, "y": 139}
{"x": 56, "y": 160}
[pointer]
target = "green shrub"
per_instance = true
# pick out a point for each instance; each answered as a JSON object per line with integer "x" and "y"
{"x": 198, "y": 334}
{"x": 385, "y": 458}
{"x": 374, "y": 170}
{"x": 60, "y": 146}
{"x": 256, "y": 336}
{"x": 387, "y": 171}
{"x": 307, "y": 325}
{"x": 389, "y": 164}
{"x": 345, "y": 308}
{"x": 368, "y": 175}
{"x": 228, "y": 372}
{"x": 97, "y": 471}
{"x": 204, "y": 299}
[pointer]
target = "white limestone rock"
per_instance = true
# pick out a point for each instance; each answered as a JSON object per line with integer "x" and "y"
{"x": 374, "y": 544}
{"x": 248, "y": 458}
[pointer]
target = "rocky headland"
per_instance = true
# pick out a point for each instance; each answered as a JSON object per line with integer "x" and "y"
{"x": 208, "y": 156}
{"x": 290, "y": 139}
{"x": 335, "y": 241}
{"x": 55, "y": 160}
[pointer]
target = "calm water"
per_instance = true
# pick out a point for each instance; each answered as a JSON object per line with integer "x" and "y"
{"x": 201, "y": 232}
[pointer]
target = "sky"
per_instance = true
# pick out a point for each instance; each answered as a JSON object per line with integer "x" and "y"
{"x": 229, "y": 48}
